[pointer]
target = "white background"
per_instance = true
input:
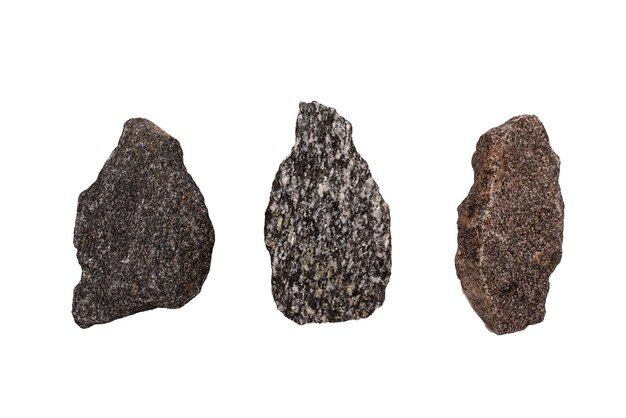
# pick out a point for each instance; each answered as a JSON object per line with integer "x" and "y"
{"x": 420, "y": 84}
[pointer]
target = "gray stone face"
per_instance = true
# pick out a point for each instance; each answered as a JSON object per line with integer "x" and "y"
{"x": 326, "y": 225}
{"x": 511, "y": 226}
{"x": 143, "y": 234}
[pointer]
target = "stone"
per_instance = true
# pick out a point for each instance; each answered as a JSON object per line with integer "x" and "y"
{"x": 143, "y": 234}
{"x": 510, "y": 226}
{"x": 326, "y": 225}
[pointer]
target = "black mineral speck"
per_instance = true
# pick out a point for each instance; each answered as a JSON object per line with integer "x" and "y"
{"x": 327, "y": 227}
{"x": 143, "y": 234}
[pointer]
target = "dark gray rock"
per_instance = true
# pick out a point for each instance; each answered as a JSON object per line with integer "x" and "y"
{"x": 511, "y": 226}
{"x": 326, "y": 225}
{"x": 143, "y": 233}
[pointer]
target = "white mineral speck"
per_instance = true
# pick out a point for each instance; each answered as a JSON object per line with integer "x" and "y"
{"x": 322, "y": 188}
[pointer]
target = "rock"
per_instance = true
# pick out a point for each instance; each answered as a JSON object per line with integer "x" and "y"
{"x": 510, "y": 226}
{"x": 143, "y": 233}
{"x": 326, "y": 225}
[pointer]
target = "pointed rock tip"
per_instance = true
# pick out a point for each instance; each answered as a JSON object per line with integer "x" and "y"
{"x": 315, "y": 107}
{"x": 525, "y": 123}
{"x": 141, "y": 126}
{"x": 315, "y": 112}
{"x": 529, "y": 119}
{"x": 316, "y": 116}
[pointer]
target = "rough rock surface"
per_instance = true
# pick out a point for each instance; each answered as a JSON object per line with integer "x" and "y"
{"x": 326, "y": 225}
{"x": 510, "y": 226}
{"x": 143, "y": 233}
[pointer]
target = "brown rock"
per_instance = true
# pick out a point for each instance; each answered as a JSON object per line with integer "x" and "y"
{"x": 511, "y": 226}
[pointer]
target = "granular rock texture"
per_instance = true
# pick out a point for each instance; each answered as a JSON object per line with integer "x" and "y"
{"x": 511, "y": 226}
{"x": 326, "y": 225}
{"x": 143, "y": 233}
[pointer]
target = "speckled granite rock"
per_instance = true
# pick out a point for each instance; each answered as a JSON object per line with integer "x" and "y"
{"x": 511, "y": 226}
{"x": 326, "y": 225}
{"x": 143, "y": 233}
